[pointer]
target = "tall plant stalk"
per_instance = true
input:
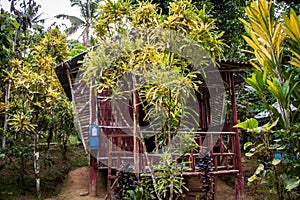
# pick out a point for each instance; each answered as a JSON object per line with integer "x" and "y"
{"x": 5, "y": 115}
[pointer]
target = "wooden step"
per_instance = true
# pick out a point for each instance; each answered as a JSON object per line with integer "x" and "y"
{"x": 222, "y": 154}
{"x": 111, "y": 177}
{"x": 222, "y": 172}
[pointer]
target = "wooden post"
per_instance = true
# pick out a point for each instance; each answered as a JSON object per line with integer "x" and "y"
{"x": 93, "y": 160}
{"x": 136, "y": 149}
{"x": 93, "y": 175}
{"x": 239, "y": 182}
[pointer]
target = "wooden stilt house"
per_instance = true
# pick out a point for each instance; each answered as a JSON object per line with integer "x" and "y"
{"x": 111, "y": 145}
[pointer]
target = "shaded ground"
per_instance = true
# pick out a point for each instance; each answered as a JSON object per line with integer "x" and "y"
{"x": 66, "y": 179}
{"x": 53, "y": 171}
{"x": 77, "y": 183}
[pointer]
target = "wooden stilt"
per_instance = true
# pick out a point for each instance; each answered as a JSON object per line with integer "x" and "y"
{"x": 239, "y": 183}
{"x": 93, "y": 152}
{"x": 92, "y": 175}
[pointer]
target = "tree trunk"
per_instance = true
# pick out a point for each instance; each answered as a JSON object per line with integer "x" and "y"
{"x": 5, "y": 116}
{"x": 87, "y": 28}
{"x": 37, "y": 165}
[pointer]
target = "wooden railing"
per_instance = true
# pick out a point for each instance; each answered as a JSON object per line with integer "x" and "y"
{"x": 220, "y": 147}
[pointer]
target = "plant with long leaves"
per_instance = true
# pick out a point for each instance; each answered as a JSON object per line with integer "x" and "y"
{"x": 35, "y": 91}
{"x": 275, "y": 78}
{"x": 266, "y": 37}
{"x": 133, "y": 44}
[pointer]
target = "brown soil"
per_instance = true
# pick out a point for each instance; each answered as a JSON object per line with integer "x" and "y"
{"x": 77, "y": 183}
{"x": 225, "y": 192}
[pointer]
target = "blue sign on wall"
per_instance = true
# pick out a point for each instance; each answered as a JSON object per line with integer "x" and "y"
{"x": 94, "y": 136}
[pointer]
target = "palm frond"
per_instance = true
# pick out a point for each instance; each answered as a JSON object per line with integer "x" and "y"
{"x": 76, "y": 22}
{"x": 71, "y": 30}
{"x": 76, "y": 3}
{"x": 73, "y": 19}
{"x": 38, "y": 20}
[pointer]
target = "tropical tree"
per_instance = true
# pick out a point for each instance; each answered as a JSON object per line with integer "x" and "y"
{"x": 35, "y": 90}
{"x": 28, "y": 19}
{"x": 8, "y": 27}
{"x": 28, "y": 16}
{"x": 227, "y": 14}
{"x": 6, "y": 37}
{"x": 31, "y": 95}
{"x": 87, "y": 14}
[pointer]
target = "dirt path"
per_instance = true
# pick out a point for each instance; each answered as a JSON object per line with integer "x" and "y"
{"x": 77, "y": 182}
